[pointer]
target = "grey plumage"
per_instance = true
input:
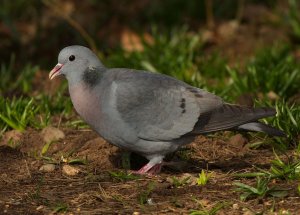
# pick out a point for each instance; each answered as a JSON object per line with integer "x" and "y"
{"x": 151, "y": 114}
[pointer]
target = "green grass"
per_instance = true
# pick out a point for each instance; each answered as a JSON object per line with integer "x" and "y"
{"x": 260, "y": 190}
{"x": 122, "y": 176}
{"x": 22, "y": 83}
{"x": 272, "y": 70}
{"x": 203, "y": 178}
{"x": 283, "y": 170}
{"x": 57, "y": 103}
{"x": 287, "y": 119}
{"x": 19, "y": 109}
{"x": 289, "y": 170}
{"x": 294, "y": 19}
{"x": 212, "y": 211}
{"x": 144, "y": 195}
{"x": 178, "y": 182}
{"x": 213, "y": 72}
{"x": 60, "y": 208}
{"x": 18, "y": 113}
{"x": 23, "y": 112}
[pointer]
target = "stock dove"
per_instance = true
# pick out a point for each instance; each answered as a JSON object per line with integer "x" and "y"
{"x": 150, "y": 114}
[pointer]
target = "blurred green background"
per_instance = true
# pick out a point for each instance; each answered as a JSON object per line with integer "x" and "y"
{"x": 36, "y": 30}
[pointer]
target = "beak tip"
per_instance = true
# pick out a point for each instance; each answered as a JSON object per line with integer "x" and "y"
{"x": 55, "y": 71}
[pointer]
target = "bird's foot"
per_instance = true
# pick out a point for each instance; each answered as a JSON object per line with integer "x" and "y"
{"x": 149, "y": 169}
{"x": 155, "y": 169}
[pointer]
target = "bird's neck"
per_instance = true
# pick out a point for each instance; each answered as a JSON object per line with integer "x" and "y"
{"x": 85, "y": 101}
{"x": 93, "y": 75}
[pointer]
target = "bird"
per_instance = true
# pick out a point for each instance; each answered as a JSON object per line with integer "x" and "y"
{"x": 150, "y": 114}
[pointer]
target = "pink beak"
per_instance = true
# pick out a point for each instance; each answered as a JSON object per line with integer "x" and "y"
{"x": 55, "y": 71}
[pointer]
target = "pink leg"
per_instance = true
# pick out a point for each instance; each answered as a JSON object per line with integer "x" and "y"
{"x": 151, "y": 169}
{"x": 155, "y": 169}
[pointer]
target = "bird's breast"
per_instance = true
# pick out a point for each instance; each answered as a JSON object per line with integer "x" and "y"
{"x": 102, "y": 116}
{"x": 86, "y": 103}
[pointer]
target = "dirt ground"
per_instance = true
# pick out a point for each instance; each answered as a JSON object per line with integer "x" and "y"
{"x": 25, "y": 189}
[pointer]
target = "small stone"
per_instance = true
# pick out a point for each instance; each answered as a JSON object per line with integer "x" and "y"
{"x": 228, "y": 30}
{"x": 150, "y": 201}
{"x": 136, "y": 213}
{"x": 205, "y": 202}
{"x": 17, "y": 203}
{"x": 207, "y": 36}
{"x": 235, "y": 206}
{"x": 247, "y": 212}
{"x": 39, "y": 207}
{"x": 47, "y": 168}
{"x": 51, "y": 134}
{"x": 70, "y": 170}
{"x": 12, "y": 138}
{"x": 238, "y": 141}
{"x": 272, "y": 96}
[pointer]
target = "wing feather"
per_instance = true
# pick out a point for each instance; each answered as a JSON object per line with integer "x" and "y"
{"x": 161, "y": 108}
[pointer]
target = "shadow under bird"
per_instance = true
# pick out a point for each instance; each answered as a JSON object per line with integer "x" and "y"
{"x": 150, "y": 114}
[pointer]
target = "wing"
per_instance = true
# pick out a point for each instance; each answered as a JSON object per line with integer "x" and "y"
{"x": 158, "y": 107}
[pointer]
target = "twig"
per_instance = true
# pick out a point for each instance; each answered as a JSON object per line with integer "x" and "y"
{"x": 60, "y": 120}
{"x": 240, "y": 10}
{"x": 27, "y": 168}
{"x": 103, "y": 193}
{"x": 54, "y": 7}
{"x": 209, "y": 14}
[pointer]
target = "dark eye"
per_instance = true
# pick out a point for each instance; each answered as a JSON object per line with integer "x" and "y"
{"x": 72, "y": 57}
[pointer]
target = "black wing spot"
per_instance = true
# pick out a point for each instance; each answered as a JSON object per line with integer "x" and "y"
{"x": 182, "y": 105}
{"x": 195, "y": 92}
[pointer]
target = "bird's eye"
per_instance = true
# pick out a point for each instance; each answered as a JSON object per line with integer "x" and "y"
{"x": 72, "y": 57}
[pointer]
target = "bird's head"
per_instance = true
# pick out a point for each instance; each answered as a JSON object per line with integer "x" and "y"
{"x": 75, "y": 63}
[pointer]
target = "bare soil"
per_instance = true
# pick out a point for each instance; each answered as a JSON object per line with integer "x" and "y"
{"x": 24, "y": 189}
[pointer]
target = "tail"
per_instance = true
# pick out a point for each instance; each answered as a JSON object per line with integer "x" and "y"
{"x": 261, "y": 127}
{"x": 231, "y": 117}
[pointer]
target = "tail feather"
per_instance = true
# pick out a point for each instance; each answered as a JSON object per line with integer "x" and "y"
{"x": 261, "y": 127}
{"x": 230, "y": 117}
